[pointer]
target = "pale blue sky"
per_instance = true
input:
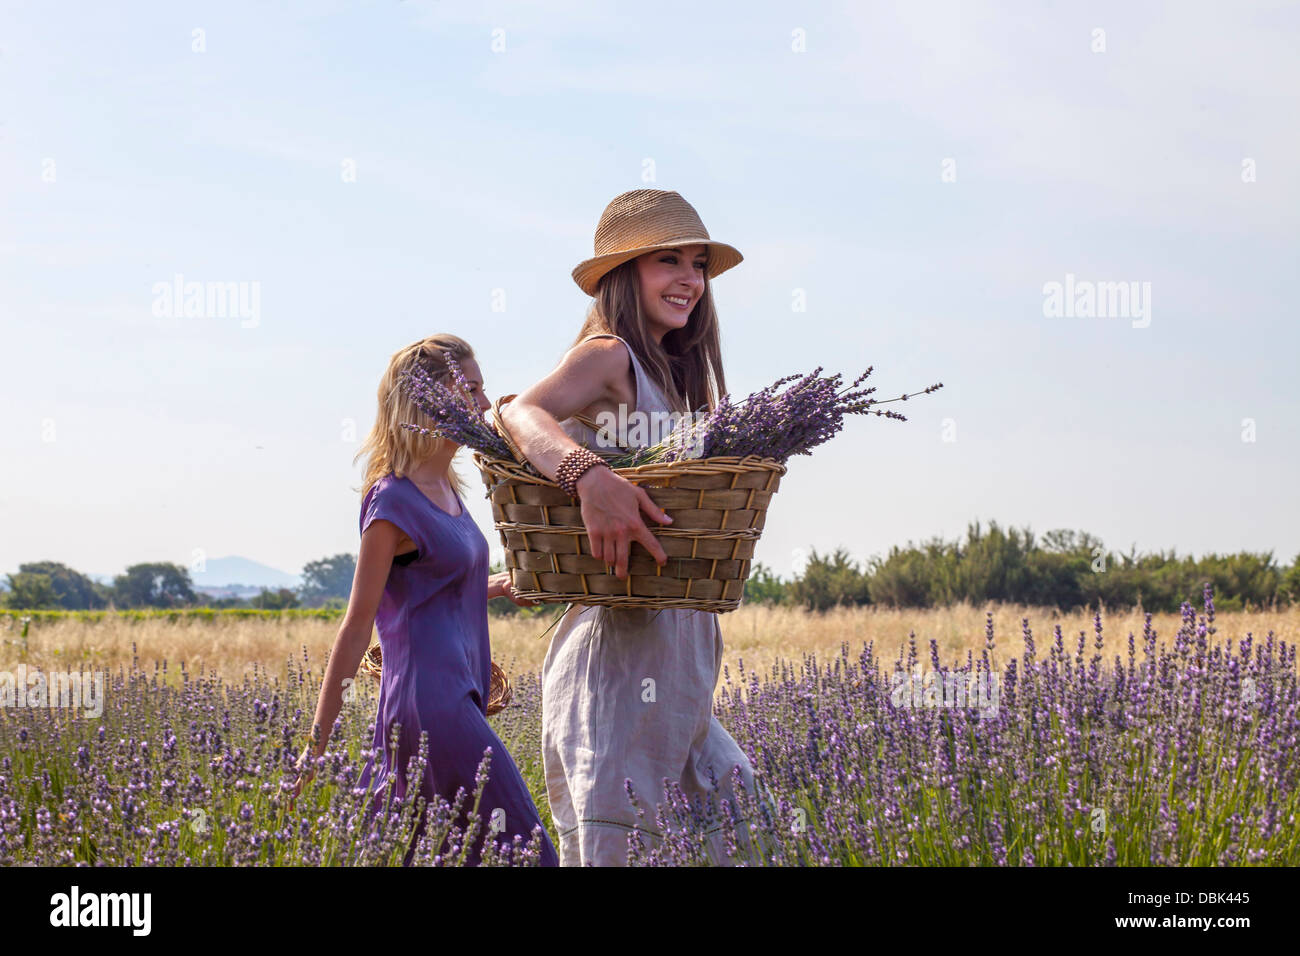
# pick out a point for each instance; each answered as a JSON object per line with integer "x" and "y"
{"x": 128, "y": 437}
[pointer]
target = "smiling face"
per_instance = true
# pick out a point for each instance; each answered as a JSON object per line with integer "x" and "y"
{"x": 671, "y": 282}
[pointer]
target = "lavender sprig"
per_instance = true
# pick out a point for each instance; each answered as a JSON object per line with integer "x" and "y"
{"x": 771, "y": 423}
{"x": 458, "y": 418}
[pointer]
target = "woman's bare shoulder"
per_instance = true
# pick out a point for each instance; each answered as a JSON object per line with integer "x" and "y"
{"x": 605, "y": 358}
{"x": 603, "y": 347}
{"x": 606, "y": 364}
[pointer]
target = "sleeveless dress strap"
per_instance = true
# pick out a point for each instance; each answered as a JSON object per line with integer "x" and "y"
{"x": 649, "y": 396}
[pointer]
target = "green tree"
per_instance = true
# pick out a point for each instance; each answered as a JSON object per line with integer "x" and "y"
{"x": 73, "y": 590}
{"x": 829, "y": 582}
{"x": 156, "y": 584}
{"x": 31, "y": 592}
{"x": 900, "y": 579}
{"x": 1065, "y": 541}
{"x": 278, "y": 600}
{"x": 327, "y": 578}
{"x": 1290, "y": 584}
{"x": 1248, "y": 579}
{"x": 763, "y": 587}
{"x": 1054, "y": 578}
{"x": 993, "y": 566}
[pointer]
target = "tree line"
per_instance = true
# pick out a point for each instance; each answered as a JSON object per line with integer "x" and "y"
{"x": 49, "y": 585}
{"x": 1065, "y": 569}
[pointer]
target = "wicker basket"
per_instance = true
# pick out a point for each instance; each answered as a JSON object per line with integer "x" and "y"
{"x": 498, "y": 694}
{"x": 718, "y": 506}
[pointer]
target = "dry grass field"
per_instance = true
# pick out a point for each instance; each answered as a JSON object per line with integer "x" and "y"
{"x": 757, "y": 635}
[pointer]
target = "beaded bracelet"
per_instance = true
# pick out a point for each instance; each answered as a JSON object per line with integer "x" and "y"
{"x": 573, "y": 466}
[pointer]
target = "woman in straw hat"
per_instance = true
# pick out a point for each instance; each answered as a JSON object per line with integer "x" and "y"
{"x": 650, "y": 345}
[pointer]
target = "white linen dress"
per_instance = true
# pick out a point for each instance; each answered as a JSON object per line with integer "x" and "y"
{"x": 600, "y": 727}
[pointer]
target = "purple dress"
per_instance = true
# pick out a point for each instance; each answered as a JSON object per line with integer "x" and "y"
{"x": 433, "y": 630}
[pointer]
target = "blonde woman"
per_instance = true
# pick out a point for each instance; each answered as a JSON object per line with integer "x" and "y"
{"x": 649, "y": 346}
{"x": 422, "y": 579}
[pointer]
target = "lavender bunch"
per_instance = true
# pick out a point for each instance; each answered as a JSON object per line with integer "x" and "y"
{"x": 771, "y": 423}
{"x": 459, "y": 418}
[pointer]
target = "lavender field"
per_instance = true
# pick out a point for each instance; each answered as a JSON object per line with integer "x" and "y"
{"x": 1181, "y": 752}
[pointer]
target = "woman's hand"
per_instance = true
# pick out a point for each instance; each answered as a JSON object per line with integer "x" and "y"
{"x": 597, "y": 370}
{"x": 305, "y": 773}
{"x": 499, "y": 585}
{"x": 611, "y": 511}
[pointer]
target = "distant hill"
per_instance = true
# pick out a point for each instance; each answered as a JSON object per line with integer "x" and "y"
{"x": 233, "y": 570}
{"x": 242, "y": 574}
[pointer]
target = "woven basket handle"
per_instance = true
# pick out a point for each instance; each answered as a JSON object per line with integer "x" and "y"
{"x": 499, "y": 422}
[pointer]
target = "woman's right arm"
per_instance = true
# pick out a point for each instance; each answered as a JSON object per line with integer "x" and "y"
{"x": 374, "y": 560}
{"x": 611, "y": 505}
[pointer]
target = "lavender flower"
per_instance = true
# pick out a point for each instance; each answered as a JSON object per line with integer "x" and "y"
{"x": 458, "y": 418}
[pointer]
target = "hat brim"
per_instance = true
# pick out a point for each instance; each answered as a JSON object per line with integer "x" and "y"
{"x": 588, "y": 272}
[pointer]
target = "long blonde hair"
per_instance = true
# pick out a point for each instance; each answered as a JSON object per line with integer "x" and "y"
{"x": 399, "y": 450}
{"x": 687, "y": 365}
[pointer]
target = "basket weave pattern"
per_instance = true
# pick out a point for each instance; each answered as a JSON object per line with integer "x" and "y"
{"x": 718, "y": 506}
{"x": 499, "y": 694}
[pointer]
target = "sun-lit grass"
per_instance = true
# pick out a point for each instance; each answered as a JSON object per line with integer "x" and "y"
{"x": 758, "y": 635}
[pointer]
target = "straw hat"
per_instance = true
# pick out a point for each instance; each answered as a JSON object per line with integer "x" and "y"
{"x": 642, "y": 220}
